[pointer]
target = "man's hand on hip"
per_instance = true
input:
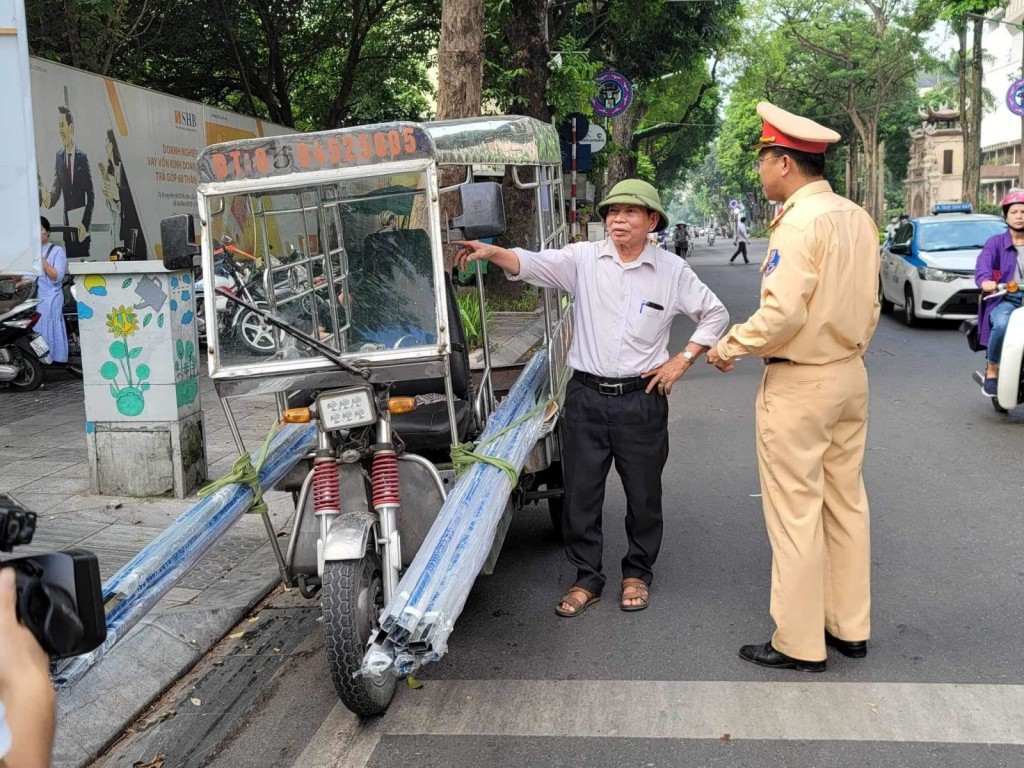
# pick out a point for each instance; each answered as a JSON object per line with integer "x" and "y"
{"x": 667, "y": 374}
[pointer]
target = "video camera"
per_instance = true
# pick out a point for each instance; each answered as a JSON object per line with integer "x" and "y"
{"x": 60, "y": 598}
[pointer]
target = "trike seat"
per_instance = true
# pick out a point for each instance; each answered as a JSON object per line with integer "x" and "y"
{"x": 426, "y": 428}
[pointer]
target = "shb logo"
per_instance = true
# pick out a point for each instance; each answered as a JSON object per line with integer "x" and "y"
{"x": 185, "y": 119}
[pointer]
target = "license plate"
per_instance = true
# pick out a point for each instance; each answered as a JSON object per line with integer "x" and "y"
{"x": 39, "y": 346}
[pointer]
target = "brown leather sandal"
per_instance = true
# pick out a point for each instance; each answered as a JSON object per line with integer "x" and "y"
{"x": 635, "y": 589}
{"x": 578, "y": 606}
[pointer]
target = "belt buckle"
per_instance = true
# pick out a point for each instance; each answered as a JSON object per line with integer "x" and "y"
{"x": 609, "y": 389}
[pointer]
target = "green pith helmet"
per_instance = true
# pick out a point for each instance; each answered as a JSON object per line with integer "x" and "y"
{"x": 634, "y": 192}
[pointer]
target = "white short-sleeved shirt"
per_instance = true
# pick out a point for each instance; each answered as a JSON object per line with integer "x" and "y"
{"x": 623, "y": 312}
{"x": 5, "y": 733}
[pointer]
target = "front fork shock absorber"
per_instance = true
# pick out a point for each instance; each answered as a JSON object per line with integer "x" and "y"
{"x": 326, "y": 492}
{"x": 386, "y": 501}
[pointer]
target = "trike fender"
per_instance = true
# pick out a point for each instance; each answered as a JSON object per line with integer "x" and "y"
{"x": 348, "y": 536}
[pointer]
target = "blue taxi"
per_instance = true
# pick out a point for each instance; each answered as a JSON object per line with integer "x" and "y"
{"x": 927, "y": 264}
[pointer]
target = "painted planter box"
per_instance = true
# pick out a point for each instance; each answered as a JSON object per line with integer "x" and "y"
{"x": 140, "y": 361}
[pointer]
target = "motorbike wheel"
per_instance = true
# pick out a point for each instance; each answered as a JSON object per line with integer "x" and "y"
{"x": 201, "y": 321}
{"x": 31, "y": 375}
{"x": 257, "y": 335}
{"x": 352, "y": 599}
{"x": 74, "y": 366}
{"x": 997, "y": 406}
{"x": 553, "y": 478}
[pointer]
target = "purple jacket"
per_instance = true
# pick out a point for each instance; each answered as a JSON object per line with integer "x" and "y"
{"x": 1000, "y": 254}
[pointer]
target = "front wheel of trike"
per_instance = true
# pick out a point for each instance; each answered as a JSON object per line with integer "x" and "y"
{"x": 352, "y": 600}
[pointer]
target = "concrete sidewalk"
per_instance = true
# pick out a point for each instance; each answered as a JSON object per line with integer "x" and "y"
{"x": 44, "y": 464}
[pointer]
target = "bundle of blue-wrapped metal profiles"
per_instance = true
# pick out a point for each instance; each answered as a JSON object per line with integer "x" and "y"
{"x": 138, "y": 586}
{"x": 419, "y": 618}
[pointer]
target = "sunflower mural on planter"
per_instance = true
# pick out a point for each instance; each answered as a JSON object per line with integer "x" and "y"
{"x": 122, "y": 322}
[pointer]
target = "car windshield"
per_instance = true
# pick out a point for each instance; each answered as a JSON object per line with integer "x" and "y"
{"x": 959, "y": 235}
{"x": 349, "y": 263}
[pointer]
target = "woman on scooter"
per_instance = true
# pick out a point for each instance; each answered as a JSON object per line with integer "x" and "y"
{"x": 1000, "y": 261}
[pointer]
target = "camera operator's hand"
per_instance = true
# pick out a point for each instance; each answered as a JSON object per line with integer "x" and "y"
{"x": 25, "y": 688}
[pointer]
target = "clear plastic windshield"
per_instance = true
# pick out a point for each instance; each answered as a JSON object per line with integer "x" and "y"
{"x": 348, "y": 263}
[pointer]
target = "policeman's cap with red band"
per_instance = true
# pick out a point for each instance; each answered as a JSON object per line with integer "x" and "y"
{"x": 784, "y": 129}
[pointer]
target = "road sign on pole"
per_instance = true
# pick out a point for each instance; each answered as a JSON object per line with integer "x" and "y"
{"x": 596, "y": 138}
{"x": 1015, "y": 97}
{"x": 734, "y": 203}
{"x": 614, "y": 94}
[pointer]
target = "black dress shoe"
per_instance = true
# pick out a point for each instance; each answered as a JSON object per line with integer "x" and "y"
{"x": 855, "y": 649}
{"x": 766, "y": 656}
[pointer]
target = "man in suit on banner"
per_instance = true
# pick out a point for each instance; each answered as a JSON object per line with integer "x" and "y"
{"x": 72, "y": 179}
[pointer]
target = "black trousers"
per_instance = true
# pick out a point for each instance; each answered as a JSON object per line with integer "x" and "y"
{"x": 632, "y": 430}
{"x": 741, "y": 248}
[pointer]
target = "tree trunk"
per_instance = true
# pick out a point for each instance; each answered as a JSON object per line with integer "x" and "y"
{"x": 460, "y": 77}
{"x": 525, "y": 37}
{"x": 622, "y": 164}
{"x": 871, "y": 164}
{"x": 853, "y": 170}
{"x": 460, "y": 59}
{"x": 972, "y": 126}
{"x": 880, "y": 182}
{"x": 74, "y": 41}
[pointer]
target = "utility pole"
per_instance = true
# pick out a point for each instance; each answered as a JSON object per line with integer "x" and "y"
{"x": 1020, "y": 144}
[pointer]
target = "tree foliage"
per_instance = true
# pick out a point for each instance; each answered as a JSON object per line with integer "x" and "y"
{"x": 309, "y": 64}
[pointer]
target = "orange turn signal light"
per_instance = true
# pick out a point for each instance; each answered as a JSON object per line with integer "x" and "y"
{"x": 1011, "y": 287}
{"x": 401, "y": 404}
{"x": 297, "y": 416}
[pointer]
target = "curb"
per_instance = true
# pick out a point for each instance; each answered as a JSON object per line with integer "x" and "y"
{"x": 164, "y": 646}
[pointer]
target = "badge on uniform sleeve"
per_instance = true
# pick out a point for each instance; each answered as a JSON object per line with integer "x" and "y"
{"x": 773, "y": 262}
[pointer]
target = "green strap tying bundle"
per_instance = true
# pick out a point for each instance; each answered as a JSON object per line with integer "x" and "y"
{"x": 465, "y": 455}
{"x": 243, "y": 471}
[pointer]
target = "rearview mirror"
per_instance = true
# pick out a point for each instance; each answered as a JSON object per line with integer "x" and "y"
{"x": 178, "y": 239}
{"x": 483, "y": 213}
{"x": 900, "y": 248}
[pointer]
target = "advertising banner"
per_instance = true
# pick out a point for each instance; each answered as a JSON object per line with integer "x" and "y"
{"x": 19, "y": 228}
{"x": 115, "y": 159}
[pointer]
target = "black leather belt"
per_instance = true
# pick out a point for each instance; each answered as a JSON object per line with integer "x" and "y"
{"x": 770, "y": 360}
{"x": 607, "y": 386}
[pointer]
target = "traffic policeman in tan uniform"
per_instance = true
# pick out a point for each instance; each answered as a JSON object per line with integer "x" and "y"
{"x": 819, "y": 308}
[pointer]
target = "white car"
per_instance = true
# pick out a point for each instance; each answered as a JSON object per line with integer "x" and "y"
{"x": 927, "y": 266}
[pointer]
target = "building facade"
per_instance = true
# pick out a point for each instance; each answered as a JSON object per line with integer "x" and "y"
{"x": 935, "y": 171}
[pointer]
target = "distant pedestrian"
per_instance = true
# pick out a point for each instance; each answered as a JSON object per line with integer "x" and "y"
{"x": 741, "y": 241}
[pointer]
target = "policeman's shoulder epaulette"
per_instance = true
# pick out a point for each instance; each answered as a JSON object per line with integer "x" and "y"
{"x": 778, "y": 218}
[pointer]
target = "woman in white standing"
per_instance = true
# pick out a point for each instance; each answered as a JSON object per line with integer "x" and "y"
{"x": 51, "y": 296}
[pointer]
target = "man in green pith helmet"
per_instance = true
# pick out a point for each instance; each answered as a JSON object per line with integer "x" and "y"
{"x": 627, "y": 291}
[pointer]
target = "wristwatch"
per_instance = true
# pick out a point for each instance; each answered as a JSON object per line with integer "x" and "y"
{"x": 687, "y": 355}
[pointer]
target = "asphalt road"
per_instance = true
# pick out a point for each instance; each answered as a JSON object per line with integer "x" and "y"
{"x": 943, "y": 684}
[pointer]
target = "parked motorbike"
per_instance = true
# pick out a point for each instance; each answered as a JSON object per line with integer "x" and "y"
{"x": 23, "y": 352}
{"x": 1010, "y": 387}
{"x": 234, "y": 320}
{"x": 74, "y": 365}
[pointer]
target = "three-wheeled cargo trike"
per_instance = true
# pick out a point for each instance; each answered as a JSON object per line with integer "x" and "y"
{"x": 369, "y": 342}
